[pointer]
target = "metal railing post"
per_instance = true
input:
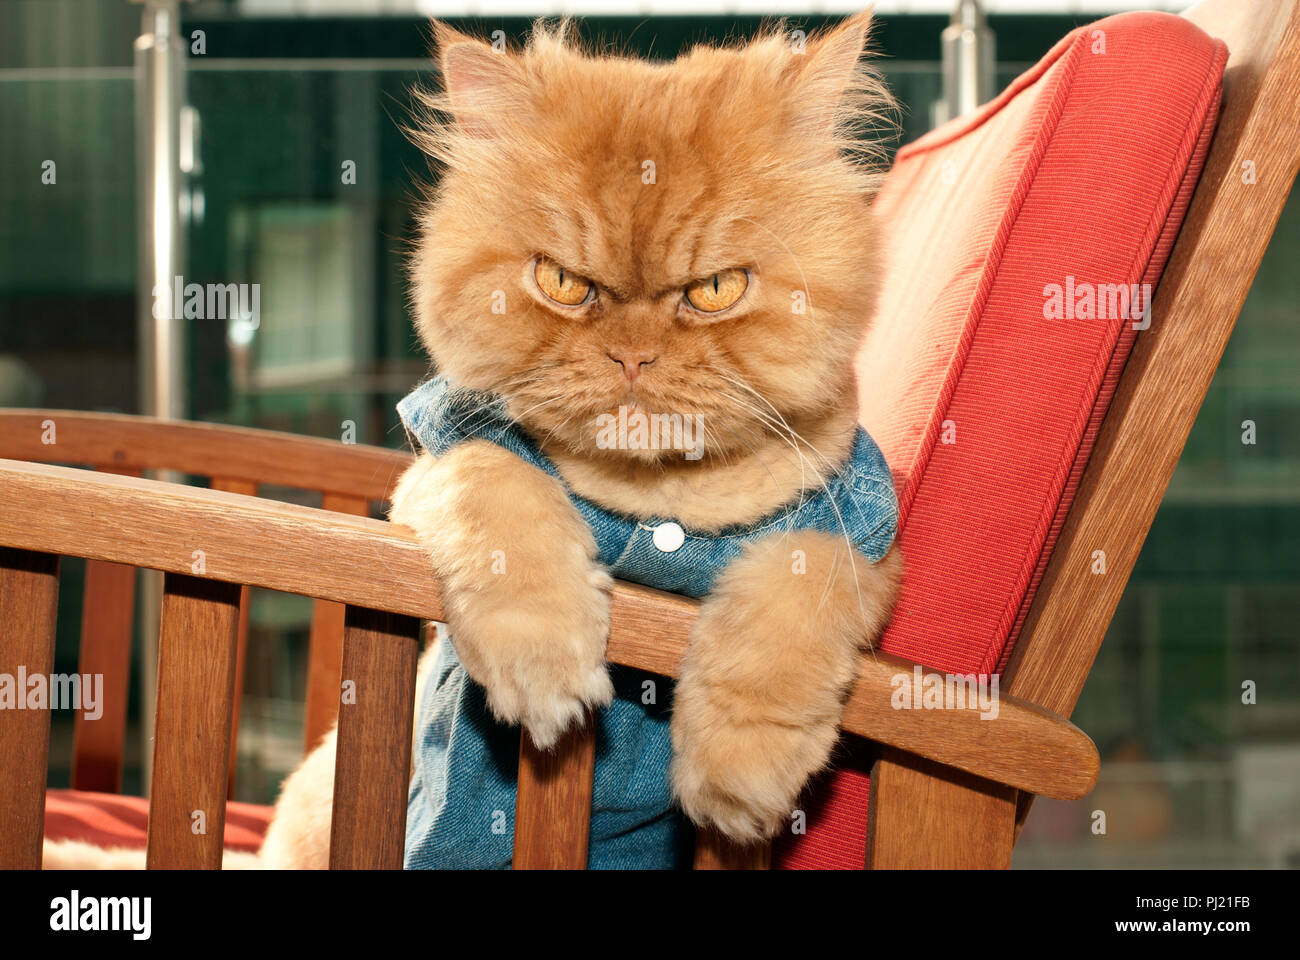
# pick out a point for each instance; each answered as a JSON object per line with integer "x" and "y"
{"x": 969, "y": 57}
{"x": 159, "y": 97}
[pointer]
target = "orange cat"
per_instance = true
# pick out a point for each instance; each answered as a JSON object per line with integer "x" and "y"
{"x": 610, "y": 241}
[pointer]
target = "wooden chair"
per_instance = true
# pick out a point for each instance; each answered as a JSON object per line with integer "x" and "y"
{"x": 947, "y": 784}
{"x": 380, "y": 577}
{"x": 349, "y": 479}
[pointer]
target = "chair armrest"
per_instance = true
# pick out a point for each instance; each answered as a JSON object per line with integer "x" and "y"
{"x": 129, "y": 443}
{"x": 377, "y": 565}
{"x": 1021, "y": 745}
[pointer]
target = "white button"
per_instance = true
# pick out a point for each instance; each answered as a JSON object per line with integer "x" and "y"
{"x": 669, "y": 536}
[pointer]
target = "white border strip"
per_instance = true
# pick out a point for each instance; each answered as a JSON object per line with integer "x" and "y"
{"x": 645, "y": 8}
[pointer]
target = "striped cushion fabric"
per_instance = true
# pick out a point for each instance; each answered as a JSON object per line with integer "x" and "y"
{"x": 109, "y": 820}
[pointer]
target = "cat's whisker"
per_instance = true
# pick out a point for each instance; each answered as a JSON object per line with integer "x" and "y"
{"x": 834, "y": 506}
{"x": 477, "y": 409}
{"x": 785, "y": 424}
{"x": 782, "y": 432}
{"x": 828, "y": 465}
{"x": 536, "y": 406}
{"x": 494, "y": 397}
{"x": 710, "y": 437}
{"x": 503, "y": 386}
{"x": 559, "y": 426}
{"x": 753, "y": 451}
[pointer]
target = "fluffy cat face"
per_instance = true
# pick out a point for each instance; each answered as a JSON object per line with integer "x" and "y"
{"x": 688, "y": 238}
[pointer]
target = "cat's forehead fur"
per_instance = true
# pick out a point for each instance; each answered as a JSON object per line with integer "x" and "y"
{"x": 646, "y": 175}
{"x": 670, "y": 167}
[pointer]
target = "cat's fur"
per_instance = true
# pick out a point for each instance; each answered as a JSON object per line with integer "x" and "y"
{"x": 644, "y": 177}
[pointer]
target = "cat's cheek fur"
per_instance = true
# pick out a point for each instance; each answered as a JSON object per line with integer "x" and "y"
{"x": 771, "y": 660}
{"x": 526, "y": 603}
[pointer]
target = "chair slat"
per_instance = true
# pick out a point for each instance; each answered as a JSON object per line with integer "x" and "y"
{"x": 107, "y": 628}
{"x": 925, "y": 816}
{"x": 713, "y": 851}
{"x": 553, "y": 804}
{"x": 237, "y": 704}
{"x": 249, "y": 489}
{"x": 107, "y": 621}
{"x": 191, "y": 757}
{"x": 372, "y": 767}
{"x": 29, "y": 594}
{"x": 324, "y": 672}
{"x": 325, "y": 659}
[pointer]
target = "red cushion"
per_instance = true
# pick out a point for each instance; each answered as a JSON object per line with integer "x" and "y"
{"x": 1082, "y": 168}
{"x": 109, "y": 820}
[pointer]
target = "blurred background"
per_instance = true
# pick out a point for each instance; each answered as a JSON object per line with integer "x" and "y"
{"x": 285, "y": 97}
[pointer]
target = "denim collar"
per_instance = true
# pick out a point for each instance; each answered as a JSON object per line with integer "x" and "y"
{"x": 858, "y": 501}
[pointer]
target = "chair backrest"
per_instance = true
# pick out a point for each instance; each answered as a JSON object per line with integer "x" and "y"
{"x": 350, "y": 478}
{"x": 382, "y": 577}
{"x": 1247, "y": 176}
{"x": 1210, "y": 271}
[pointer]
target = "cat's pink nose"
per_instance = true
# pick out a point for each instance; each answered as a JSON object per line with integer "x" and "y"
{"x": 631, "y": 361}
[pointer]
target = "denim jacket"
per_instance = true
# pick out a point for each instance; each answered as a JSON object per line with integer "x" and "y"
{"x": 461, "y": 804}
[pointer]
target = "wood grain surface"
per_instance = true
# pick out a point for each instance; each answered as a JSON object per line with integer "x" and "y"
{"x": 372, "y": 768}
{"x": 325, "y": 654}
{"x": 29, "y": 595}
{"x": 107, "y": 622}
{"x": 553, "y": 803}
{"x": 205, "y": 449}
{"x": 107, "y": 629}
{"x": 925, "y": 816}
{"x": 191, "y": 754}
{"x": 713, "y": 851}
{"x": 249, "y": 489}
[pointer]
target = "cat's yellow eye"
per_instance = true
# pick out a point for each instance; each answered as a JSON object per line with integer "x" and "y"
{"x": 565, "y": 288}
{"x": 719, "y": 291}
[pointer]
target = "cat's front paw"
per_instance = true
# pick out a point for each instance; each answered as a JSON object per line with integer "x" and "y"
{"x": 541, "y": 664}
{"x": 736, "y": 771}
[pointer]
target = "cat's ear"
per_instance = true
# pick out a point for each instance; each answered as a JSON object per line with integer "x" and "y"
{"x": 827, "y": 71}
{"x": 482, "y": 82}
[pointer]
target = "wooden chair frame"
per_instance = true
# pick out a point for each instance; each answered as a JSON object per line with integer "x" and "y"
{"x": 348, "y": 478}
{"x": 120, "y": 519}
{"x": 949, "y": 789}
